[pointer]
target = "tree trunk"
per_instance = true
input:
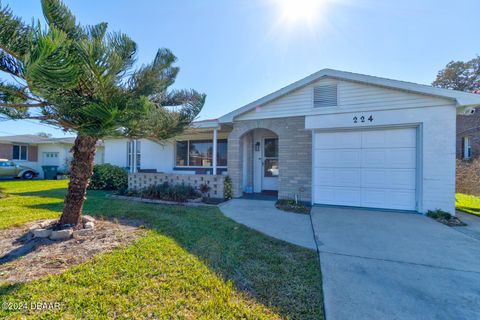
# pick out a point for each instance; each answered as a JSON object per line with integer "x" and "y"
{"x": 80, "y": 173}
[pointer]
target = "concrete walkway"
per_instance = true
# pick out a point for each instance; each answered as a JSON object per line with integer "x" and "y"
{"x": 262, "y": 216}
{"x": 472, "y": 228}
{"x": 388, "y": 265}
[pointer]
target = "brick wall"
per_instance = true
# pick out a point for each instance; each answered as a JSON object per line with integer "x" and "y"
{"x": 6, "y": 151}
{"x": 142, "y": 180}
{"x": 294, "y": 155}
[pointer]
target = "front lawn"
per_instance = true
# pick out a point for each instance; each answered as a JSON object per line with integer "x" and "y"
{"x": 468, "y": 203}
{"x": 194, "y": 263}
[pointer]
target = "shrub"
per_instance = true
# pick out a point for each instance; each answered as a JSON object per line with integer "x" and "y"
{"x": 177, "y": 193}
{"x": 292, "y": 206}
{"x": 227, "y": 188}
{"x": 204, "y": 189}
{"x": 108, "y": 177}
{"x": 439, "y": 214}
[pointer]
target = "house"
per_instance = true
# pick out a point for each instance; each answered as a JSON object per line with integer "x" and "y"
{"x": 468, "y": 136}
{"x": 332, "y": 138}
{"x": 36, "y": 151}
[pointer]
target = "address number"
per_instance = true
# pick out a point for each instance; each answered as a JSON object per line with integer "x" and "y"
{"x": 362, "y": 119}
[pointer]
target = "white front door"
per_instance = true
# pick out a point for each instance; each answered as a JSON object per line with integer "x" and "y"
{"x": 270, "y": 169}
{"x": 367, "y": 168}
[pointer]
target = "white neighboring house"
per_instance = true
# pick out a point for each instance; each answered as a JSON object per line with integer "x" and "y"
{"x": 332, "y": 138}
{"x": 36, "y": 151}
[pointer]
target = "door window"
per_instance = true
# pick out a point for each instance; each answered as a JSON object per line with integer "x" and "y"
{"x": 270, "y": 166}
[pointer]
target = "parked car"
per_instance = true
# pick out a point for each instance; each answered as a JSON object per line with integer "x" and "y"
{"x": 9, "y": 169}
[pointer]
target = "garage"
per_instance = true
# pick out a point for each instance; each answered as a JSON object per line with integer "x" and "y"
{"x": 366, "y": 168}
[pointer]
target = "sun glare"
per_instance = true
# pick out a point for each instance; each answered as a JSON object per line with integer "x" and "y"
{"x": 295, "y": 11}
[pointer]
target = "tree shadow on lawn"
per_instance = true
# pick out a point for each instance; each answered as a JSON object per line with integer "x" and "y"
{"x": 273, "y": 272}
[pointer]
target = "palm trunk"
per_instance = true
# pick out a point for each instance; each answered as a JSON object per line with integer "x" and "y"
{"x": 80, "y": 173}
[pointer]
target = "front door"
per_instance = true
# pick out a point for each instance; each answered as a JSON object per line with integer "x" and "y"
{"x": 270, "y": 164}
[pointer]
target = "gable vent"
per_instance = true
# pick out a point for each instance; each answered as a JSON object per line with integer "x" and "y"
{"x": 325, "y": 96}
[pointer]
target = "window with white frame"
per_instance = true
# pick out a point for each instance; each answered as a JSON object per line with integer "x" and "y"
{"x": 198, "y": 153}
{"x": 20, "y": 152}
{"x": 133, "y": 154}
{"x": 467, "y": 148}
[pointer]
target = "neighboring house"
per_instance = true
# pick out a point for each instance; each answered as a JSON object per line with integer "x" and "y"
{"x": 36, "y": 151}
{"x": 468, "y": 136}
{"x": 332, "y": 138}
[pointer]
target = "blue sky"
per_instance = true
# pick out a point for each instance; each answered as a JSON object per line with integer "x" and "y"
{"x": 238, "y": 50}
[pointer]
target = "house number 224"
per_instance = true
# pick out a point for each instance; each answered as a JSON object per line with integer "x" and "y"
{"x": 362, "y": 119}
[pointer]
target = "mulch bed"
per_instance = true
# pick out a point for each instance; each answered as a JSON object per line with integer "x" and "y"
{"x": 24, "y": 259}
{"x": 452, "y": 222}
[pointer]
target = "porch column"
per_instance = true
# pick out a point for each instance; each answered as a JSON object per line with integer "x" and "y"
{"x": 214, "y": 160}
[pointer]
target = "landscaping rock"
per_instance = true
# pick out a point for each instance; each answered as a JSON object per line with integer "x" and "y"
{"x": 34, "y": 227}
{"x": 61, "y": 234}
{"x": 89, "y": 225}
{"x": 86, "y": 219}
{"x": 41, "y": 233}
{"x": 82, "y": 233}
{"x": 45, "y": 224}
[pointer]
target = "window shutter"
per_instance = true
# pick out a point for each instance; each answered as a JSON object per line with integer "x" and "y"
{"x": 325, "y": 96}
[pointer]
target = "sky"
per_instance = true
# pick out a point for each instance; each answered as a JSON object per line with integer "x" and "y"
{"x": 237, "y": 51}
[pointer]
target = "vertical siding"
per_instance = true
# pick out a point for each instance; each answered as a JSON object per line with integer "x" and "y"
{"x": 351, "y": 95}
{"x": 32, "y": 153}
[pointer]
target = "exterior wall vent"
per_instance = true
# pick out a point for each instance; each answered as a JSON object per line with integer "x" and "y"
{"x": 325, "y": 96}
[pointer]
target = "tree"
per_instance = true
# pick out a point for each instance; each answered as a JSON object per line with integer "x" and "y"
{"x": 81, "y": 79}
{"x": 459, "y": 75}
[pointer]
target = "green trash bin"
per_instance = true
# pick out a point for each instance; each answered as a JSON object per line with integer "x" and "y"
{"x": 50, "y": 172}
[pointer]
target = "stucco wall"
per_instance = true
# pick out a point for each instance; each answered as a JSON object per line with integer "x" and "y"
{"x": 294, "y": 155}
{"x": 435, "y": 147}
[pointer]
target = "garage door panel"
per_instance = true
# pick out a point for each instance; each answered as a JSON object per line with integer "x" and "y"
{"x": 338, "y": 196}
{"x": 396, "y": 138}
{"x": 374, "y": 178}
{"x": 401, "y": 138}
{"x": 339, "y": 158}
{"x": 338, "y": 177}
{"x": 339, "y": 140}
{"x": 402, "y": 158}
{"x": 401, "y": 199}
{"x": 401, "y": 179}
{"x": 380, "y": 174}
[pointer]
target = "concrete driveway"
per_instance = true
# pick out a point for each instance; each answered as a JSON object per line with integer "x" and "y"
{"x": 390, "y": 265}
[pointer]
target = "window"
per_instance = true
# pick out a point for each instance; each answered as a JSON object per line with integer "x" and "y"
{"x": 270, "y": 154}
{"x": 325, "y": 96}
{"x": 19, "y": 152}
{"x": 198, "y": 153}
{"x": 131, "y": 145}
{"x": 467, "y": 148}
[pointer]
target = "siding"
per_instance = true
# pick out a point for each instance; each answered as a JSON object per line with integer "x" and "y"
{"x": 32, "y": 153}
{"x": 351, "y": 96}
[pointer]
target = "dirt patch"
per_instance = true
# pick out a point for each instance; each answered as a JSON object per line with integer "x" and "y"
{"x": 24, "y": 259}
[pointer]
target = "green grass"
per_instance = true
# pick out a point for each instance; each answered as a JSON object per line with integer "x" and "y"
{"x": 468, "y": 203}
{"x": 194, "y": 263}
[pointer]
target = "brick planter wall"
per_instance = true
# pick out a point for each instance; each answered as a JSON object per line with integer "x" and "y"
{"x": 138, "y": 181}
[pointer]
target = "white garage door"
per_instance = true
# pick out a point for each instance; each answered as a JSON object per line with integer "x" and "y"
{"x": 367, "y": 168}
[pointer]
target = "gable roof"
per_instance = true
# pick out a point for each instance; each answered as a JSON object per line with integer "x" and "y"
{"x": 462, "y": 99}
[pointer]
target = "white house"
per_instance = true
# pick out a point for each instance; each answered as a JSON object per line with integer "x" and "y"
{"x": 36, "y": 151}
{"x": 332, "y": 138}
